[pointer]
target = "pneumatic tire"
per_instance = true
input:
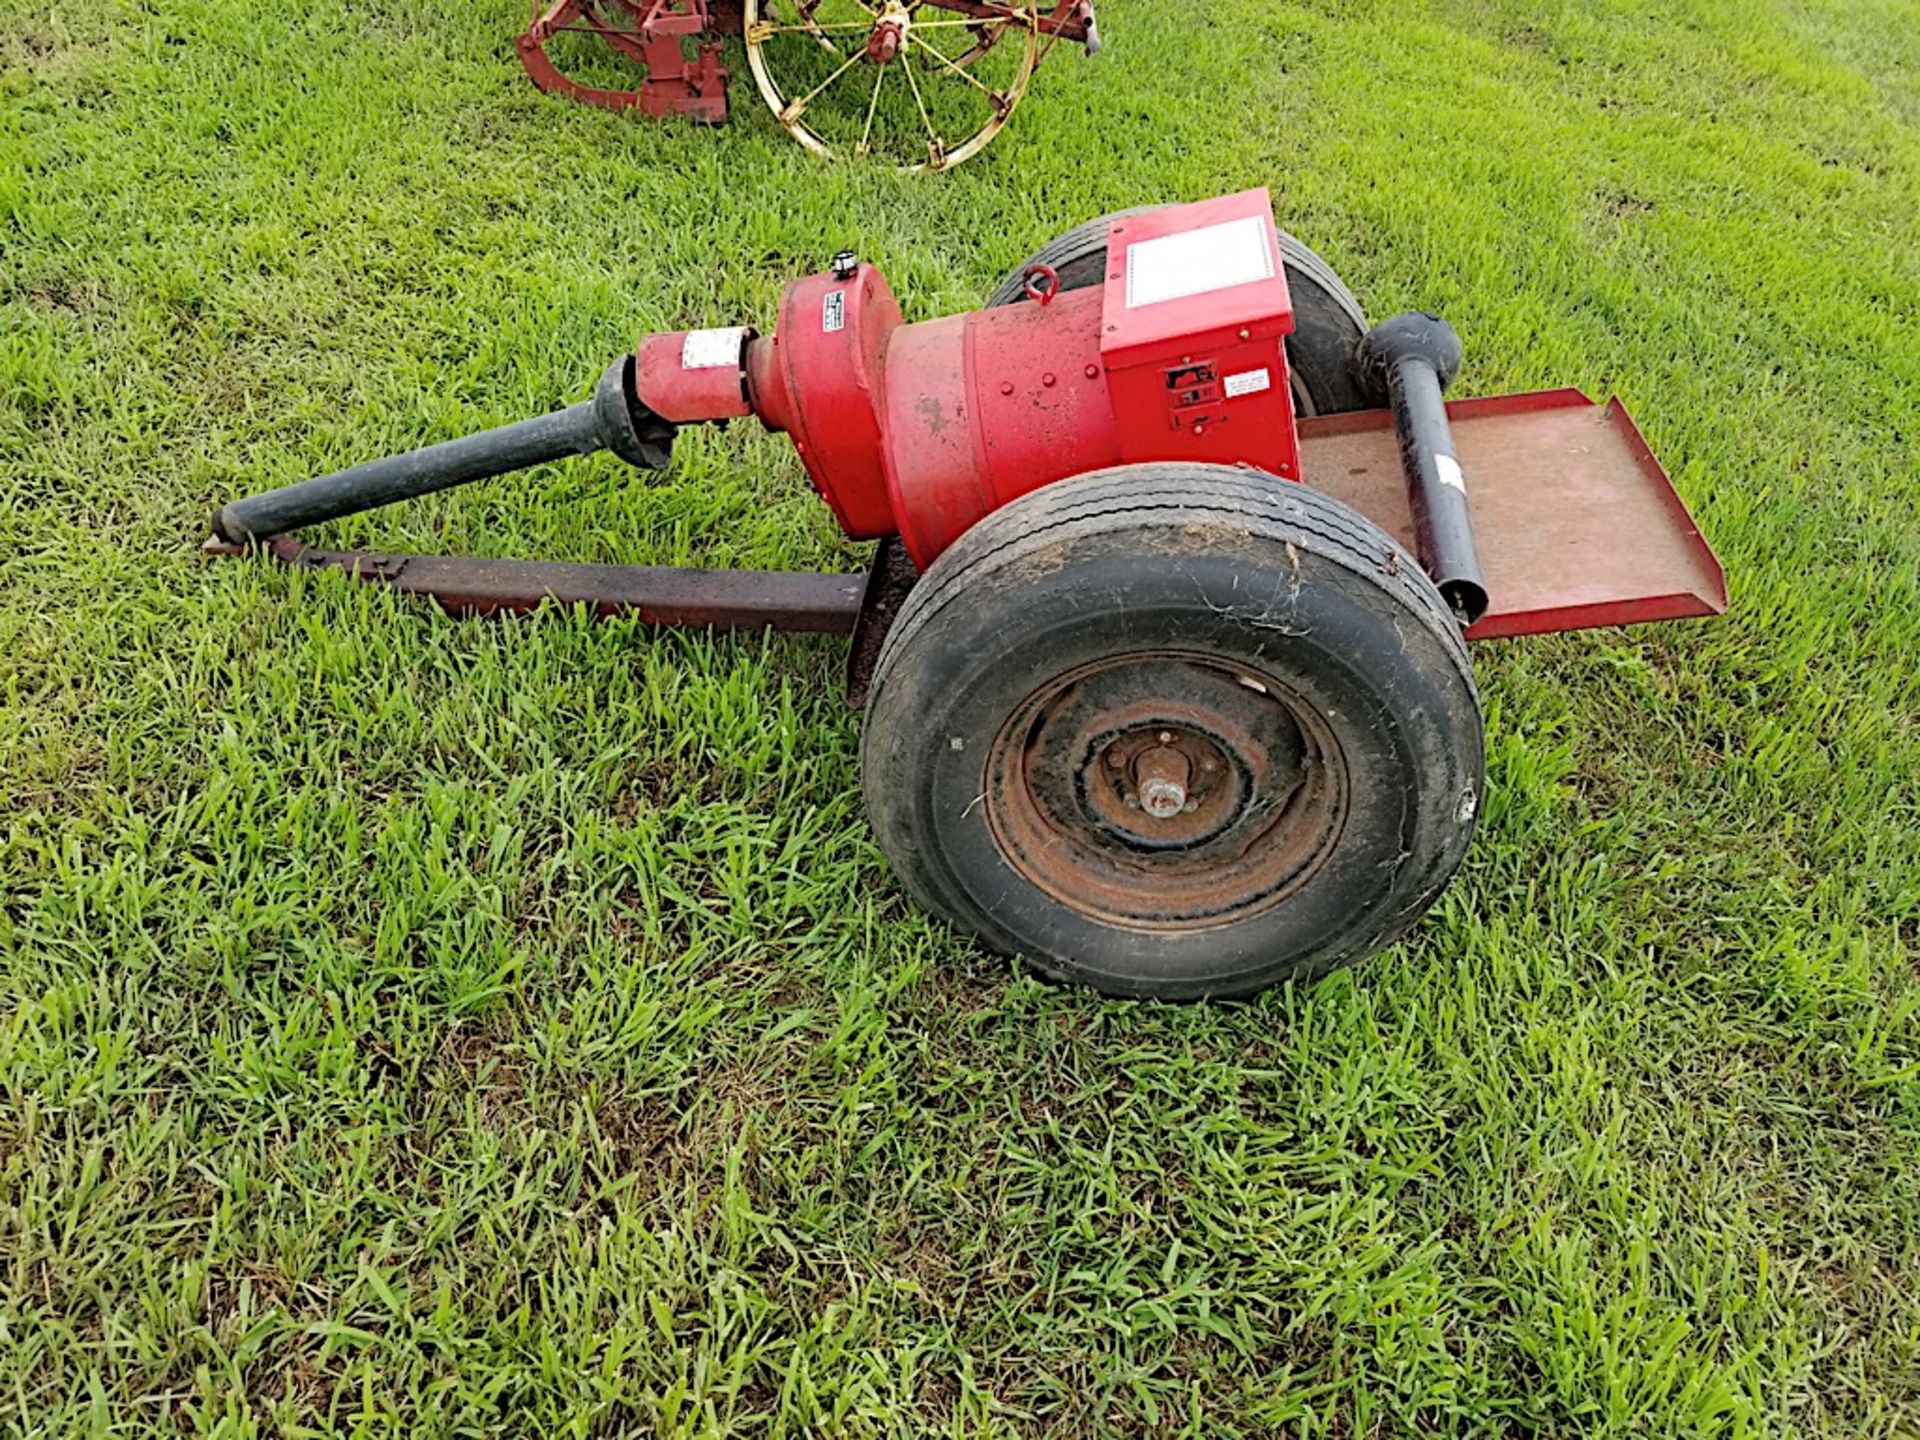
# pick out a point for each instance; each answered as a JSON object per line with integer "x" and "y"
{"x": 1175, "y": 730}
{"x": 1328, "y": 323}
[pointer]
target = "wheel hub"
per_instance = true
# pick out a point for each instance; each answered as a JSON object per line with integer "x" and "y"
{"x": 1165, "y": 791}
{"x": 889, "y": 33}
{"x": 1162, "y": 785}
{"x": 1162, "y": 773}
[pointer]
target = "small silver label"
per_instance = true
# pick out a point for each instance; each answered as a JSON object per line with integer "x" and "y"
{"x": 1449, "y": 469}
{"x": 833, "y": 311}
{"x": 712, "y": 349}
{"x": 1248, "y": 382}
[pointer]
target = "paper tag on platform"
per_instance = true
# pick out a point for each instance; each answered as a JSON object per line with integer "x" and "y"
{"x": 711, "y": 349}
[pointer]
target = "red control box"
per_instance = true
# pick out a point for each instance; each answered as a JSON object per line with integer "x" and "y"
{"x": 1194, "y": 315}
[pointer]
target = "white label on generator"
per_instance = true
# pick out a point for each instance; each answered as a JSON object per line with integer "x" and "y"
{"x": 1195, "y": 262}
{"x": 1449, "y": 469}
{"x": 833, "y": 311}
{"x": 1248, "y": 382}
{"x": 712, "y": 349}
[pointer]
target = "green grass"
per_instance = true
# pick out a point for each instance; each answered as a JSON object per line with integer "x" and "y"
{"x": 418, "y": 1027}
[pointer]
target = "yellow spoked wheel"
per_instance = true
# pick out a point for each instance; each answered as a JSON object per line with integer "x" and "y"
{"x": 902, "y": 81}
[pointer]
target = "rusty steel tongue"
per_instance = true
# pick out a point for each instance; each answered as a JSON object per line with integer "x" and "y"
{"x": 655, "y": 594}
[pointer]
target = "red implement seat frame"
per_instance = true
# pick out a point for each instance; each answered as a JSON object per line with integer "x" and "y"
{"x": 674, "y": 85}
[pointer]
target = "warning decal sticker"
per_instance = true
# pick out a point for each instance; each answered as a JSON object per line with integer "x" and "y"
{"x": 1248, "y": 382}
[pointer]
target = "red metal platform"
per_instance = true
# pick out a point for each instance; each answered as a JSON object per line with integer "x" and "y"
{"x": 1578, "y": 526}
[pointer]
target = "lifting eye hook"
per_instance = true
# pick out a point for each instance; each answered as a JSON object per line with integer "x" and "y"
{"x": 1035, "y": 291}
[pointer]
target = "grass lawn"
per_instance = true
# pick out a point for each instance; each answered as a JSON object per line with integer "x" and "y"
{"x": 411, "y": 1026}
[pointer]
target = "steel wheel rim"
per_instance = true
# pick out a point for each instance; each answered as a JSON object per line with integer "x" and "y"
{"x": 767, "y": 20}
{"x": 1263, "y": 790}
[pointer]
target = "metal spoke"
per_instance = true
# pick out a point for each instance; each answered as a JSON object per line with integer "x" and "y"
{"x": 866, "y": 131}
{"x": 983, "y": 41}
{"x": 937, "y": 149}
{"x": 949, "y": 64}
{"x": 795, "y": 108}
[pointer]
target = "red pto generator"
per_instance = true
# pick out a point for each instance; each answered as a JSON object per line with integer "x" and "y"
{"x": 1162, "y": 646}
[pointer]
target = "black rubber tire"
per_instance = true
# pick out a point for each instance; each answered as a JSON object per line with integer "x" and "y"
{"x": 1270, "y": 577}
{"x": 1328, "y": 322}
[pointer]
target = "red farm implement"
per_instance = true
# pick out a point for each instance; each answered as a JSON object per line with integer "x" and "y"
{"x": 922, "y": 84}
{"x": 1161, "y": 647}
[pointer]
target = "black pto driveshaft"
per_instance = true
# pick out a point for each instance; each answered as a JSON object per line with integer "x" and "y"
{"x": 1413, "y": 357}
{"x": 614, "y": 419}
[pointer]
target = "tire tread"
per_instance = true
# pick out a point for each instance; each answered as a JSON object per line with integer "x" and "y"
{"x": 1116, "y": 497}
